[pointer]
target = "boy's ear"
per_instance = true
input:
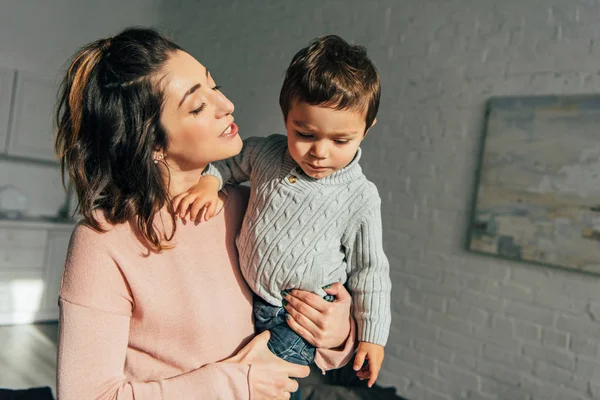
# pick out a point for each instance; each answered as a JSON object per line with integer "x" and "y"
{"x": 372, "y": 125}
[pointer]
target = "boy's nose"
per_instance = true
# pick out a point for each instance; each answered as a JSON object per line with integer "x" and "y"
{"x": 318, "y": 150}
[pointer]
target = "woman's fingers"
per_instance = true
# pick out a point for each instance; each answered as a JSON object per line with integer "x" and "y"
{"x": 293, "y": 322}
{"x": 339, "y": 291}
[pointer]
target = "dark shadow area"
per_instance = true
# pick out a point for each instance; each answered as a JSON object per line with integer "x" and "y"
{"x": 342, "y": 384}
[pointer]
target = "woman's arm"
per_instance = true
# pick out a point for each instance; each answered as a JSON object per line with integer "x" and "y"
{"x": 91, "y": 356}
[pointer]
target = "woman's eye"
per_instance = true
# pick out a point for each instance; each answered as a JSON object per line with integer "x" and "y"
{"x": 198, "y": 110}
{"x": 217, "y": 87}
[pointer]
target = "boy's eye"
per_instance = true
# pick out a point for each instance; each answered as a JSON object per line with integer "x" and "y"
{"x": 198, "y": 110}
{"x": 303, "y": 135}
{"x": 341, "y": 141}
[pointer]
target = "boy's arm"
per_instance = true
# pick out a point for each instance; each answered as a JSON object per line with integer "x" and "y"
{"x": 369, "y": 281}
{"x": 238, "y": 168}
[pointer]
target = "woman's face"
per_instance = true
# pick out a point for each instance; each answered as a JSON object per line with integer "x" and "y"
{"x": 196, "y": 116}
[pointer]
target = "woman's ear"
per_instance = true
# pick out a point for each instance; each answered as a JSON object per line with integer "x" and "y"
{"x": 158, "y": 155}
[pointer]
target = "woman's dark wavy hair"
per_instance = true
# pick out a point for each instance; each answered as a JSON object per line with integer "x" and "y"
{"x": 108, "y": 126}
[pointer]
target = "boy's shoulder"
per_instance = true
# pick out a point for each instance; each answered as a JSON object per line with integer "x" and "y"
{"x": 275, "y": 139}
{"x": 272, "y": 145}
{"x": 367, "y": 189}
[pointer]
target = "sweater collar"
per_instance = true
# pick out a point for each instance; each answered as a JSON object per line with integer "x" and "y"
{"x": 345, "y": 175}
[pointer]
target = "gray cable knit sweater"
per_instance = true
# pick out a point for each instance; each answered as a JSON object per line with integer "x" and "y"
{"x": 305, "y": 233}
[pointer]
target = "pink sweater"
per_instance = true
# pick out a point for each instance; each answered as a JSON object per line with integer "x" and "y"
{"x": 146, "y": 325}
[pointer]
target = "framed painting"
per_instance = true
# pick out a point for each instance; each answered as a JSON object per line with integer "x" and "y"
{"x": 538, "y": 192}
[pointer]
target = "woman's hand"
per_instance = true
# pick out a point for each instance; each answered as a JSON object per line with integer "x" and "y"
{"x": 323, "y": 324}
{"x": 270, "y": 376}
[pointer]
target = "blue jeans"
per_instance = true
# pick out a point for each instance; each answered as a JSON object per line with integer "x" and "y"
{"x": 284, "y": 342}
{"x": 296, "y": 395}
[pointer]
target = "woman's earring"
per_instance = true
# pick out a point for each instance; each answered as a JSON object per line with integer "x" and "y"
{"x": 159, "y": 158}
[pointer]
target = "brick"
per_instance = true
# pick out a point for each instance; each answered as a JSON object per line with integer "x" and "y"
{"x": 559, "y": 301}
{"x": 465, "y": 361}
{"x": 458, "y": 342}
{"x": 434, "y": 395}
{"x": 594, "y": 390}
{"x": 584, "y": 346}
{"x": 416, "y": 329}
{"x": 449, "y": 323}
{"x": 588, "y": 368}
{"x": 528, "y": 331}
{"x": 499, "y": 373}
{"x": 578, "y": 325}
{"x": 503, "y": 339}
{"x": 554, "y": 338}
{"x": 481, "y": 300}
{"x": 558, "y": 357}
{"x": 434, "y": 349}
{"x": 510, "y": 290}
{"x": 509, "y": 359}
{"x": 594, "y": 310}
{"x": 530, "y": 313}
{"x": 467, "y": 313}
{"x": 551, "y": 373}
{"x": 452, "y": 373}
{"x": 421, "y": 360}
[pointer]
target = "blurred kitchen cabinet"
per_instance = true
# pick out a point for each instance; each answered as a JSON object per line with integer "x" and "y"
{"x": 32, "y": 259}
{"x": 7, "y": 78}
{"x": 56, "y": 254}
{"x": 32, "y": 121}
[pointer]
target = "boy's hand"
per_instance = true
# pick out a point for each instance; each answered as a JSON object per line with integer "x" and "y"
{"x": 200, "y": 200}
{"x": 374, "y": 355}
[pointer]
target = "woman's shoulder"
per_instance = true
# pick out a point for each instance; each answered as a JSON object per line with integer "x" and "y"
{"x": 99, "y": 229}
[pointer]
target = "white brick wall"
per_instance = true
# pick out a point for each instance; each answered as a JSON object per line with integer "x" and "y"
{"x": 465, "y": 326}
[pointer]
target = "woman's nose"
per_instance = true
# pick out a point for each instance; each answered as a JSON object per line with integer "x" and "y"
{"x": 224, "y": 106}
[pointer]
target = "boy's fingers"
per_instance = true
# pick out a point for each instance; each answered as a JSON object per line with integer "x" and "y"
{"x": 203, "y": 213}
{"x": 212, "y": 209}
{"x": 176, "y": 200}
{"x": 196, "y": 209}
{"x": 359, "y": 360}
{"x": 374, "y": 372}
{"x": 184, "y": 205}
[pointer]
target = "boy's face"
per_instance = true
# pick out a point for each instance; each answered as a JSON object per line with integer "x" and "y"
{"x": 322, "y": 140}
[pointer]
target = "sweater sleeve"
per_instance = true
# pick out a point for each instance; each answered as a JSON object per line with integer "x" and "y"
{"x": 369, "y": 281}
{"x": 95, "y": 311}
{"x": 238, "y": 168}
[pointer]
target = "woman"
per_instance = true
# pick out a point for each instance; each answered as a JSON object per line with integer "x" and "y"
{"x": 153, "y": 307}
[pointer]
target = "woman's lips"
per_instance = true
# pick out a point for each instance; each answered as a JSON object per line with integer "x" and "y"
{"x": 231, "y": 131}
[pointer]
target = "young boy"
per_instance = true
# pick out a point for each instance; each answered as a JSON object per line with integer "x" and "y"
{"x": 313, "y": 218}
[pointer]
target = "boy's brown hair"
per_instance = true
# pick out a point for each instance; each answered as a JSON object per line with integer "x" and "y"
{"x": 333, "y": 73}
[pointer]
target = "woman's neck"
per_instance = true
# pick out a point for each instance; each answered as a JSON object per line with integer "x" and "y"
{"x": 179, "y": 180}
